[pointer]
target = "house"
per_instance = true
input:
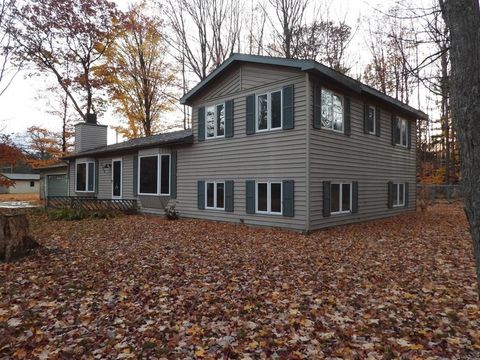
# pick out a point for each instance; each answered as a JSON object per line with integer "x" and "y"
{"x": 53, "y": 180}
{"x": 23, "y": 183}
{"x": 274, "y": 142}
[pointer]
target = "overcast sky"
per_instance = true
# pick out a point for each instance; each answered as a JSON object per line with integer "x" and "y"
{"x": 25, "y": 103}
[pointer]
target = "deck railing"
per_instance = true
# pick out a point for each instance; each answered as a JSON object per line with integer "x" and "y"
{"x": 89, "y": 203}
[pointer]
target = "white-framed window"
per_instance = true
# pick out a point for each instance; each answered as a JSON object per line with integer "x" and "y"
{"x": 154, "y": 174}
{"x": 371, "y": 123}
{"x": 332, "y": 110}
{"x": 341, "y": 198}
{"x": 215, "y": 121}
{"x": 85, "y": 176}
{"x": 269, "y": 111}
{"x": 398, "y": 194}
{"x": 117, "y": 175}
{"x": 402, "y": 132}
{"x": 215, "y": 195}
{"x": 268, "y": 197}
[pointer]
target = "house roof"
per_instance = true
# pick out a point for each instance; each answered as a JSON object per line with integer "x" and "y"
{"x": 16, "y": 176}
{"x": 168, "y": 138}
{"x": 307, "y": 66}
{"x": 59, "y": 165}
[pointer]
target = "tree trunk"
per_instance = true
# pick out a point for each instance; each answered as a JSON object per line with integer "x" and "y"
{"x": 14, "y": 238}
{"x": 463, "y": 20}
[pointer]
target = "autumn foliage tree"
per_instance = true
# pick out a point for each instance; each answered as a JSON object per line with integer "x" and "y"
{"x": 10, "y": 155}
{"x": 43, "y": 147}
{"x": 67, "y": 39}
{"x": 140, "y": 79}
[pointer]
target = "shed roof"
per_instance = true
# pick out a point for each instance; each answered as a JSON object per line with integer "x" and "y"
{"x": 307, "y": 66}
{"x": 17, "y": 176}
{"x": 168, "y": 138}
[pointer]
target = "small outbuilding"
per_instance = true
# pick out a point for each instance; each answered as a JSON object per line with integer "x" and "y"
{"x": 23, "y": 184}
{"x": 53, "y": 180}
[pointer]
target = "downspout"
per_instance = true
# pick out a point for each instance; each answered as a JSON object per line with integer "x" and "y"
{"x": 307, "y": 153}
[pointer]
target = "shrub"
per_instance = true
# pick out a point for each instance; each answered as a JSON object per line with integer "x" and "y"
{"x": 171, "y": 213}
{"x": 71, "y": 214}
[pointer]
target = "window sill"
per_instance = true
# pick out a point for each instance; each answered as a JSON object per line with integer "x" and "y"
{"x": 267, "y": 130}
{"x": 214, "y": 209}
{"x": 159, "y": 195}
{"x": 398, "y": 206}
{"x": 268, "y": 213}
{"x": 85, "y": 192}
{"x": 341, "y": 213}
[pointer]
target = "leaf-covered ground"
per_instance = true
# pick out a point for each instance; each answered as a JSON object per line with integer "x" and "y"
{"x": 145, "y": 287}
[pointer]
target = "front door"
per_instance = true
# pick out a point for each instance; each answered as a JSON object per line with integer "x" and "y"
{"x": 116, "y": 178}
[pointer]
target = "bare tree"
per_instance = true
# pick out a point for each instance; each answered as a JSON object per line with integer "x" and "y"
{"x": 289, "y": 18}
{"x": 463, "y": 21}
{"x": 216, "y": 34}
{"x": 7, "y": 70}
{"x": 324, "y": 41}
{"x": 256, "y": 21}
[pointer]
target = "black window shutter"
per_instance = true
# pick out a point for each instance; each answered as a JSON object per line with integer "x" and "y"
{"x": 406, "y": 194}
{"x": 250, "y": 196}
{"x": 96, "y": 177}
{"x": 317, "y": 106}
{"x": 229, "y": 195}
{"x": 288, "y": 110}
{"x": 135, "y": 175}
{"x": 288, "y": 194}
{"x": 355, "y": 197}
{"x": 365, "y": 119}
{"x": 229, "y": 118}
{"x": 250, "y": 114}
{"x": 326, "y": 198}
{"x": 390, "y": 194}
{"x": 346, "y": 116}
{"x": 394, "y": 127}
{"x": 201, "y": 124}
{"x": 409, "y": 134}
{"x": 377, "y": 121}
{"x": 173, "y": 174}
{"x": 201, "y": 195}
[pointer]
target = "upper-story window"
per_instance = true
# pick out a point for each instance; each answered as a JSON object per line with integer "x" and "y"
{"x": 215, "y": 121}
{"x": 371, "y": 117}
{"x": 269, "y": 111}
{"x": 332, "y": 110}
{"x": 85, "y": 176}
{"x": 401, "y": 137}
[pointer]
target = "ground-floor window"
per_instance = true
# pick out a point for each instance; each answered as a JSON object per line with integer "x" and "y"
{"x": 85, "y": 176}
{"x": 398, "y": 194}
{"x": 215, "y": 195}
{"x": 269, "y": 197}
{"x": 341, "y": 198}
{"x": 154, "y": 175}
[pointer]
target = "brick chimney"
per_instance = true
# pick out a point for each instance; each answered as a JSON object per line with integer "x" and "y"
{"x": 89, "y": 134}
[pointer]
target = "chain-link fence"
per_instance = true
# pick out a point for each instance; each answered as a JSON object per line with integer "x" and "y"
{"x": 433, "y": 193}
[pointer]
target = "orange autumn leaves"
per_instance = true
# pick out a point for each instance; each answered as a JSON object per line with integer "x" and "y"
{"x": 138, "y": 286}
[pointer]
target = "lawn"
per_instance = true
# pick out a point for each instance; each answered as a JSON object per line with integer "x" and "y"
{"x": 146, "y": 287}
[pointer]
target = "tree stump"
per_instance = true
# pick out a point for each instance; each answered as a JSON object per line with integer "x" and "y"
{"x": 14, "y": 238}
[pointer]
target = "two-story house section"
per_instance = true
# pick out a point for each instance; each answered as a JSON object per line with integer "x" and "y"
{"x": 274, "y": 142}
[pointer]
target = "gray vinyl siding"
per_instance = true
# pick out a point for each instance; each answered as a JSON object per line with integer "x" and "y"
{"x": 268, "y": 156}
{"x": 89, "y": 136}
{"x": 368, "y": 159}
{"x": 105, "y": 178}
